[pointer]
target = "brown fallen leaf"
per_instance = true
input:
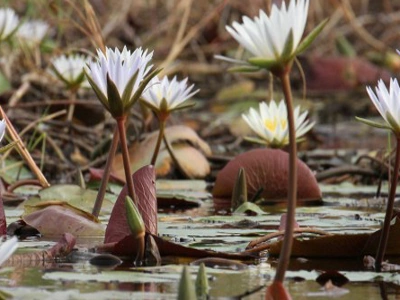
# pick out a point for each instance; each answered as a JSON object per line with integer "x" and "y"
{"x": 127, "y": 247}
{"x": 144, "y": 183}
{"x": 341, "y": 245}
{"x": 340, "y": 73}
{"x": 266, "y": 169}
{"x": 188, "y": 146}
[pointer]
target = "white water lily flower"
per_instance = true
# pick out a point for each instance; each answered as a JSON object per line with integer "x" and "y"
{"x": 164, "y": 96}
{"x": 273, "y": 41}
{"x": 69, "y": 69}
{"x": 119, "y": 78}
{"x": 387, "y": 102}
{"x": 7, "y": 248}
{"x": 32, "y": 32}
{"x": 271, "y": 125}
{"x": 8, "y": 23}
{"x": 266, "y": 36}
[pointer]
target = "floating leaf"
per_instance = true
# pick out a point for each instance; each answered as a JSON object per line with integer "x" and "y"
{"x": 54, "y": 220}
{"x": 74, "y": 195}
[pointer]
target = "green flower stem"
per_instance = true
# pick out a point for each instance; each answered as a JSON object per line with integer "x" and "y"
{"x": 389, "y": 212}
{"x": 71, "y": 107}
{"x": 159, "y": 139}
{"x": 125, "y": 157}
{"x": 107, "y": 170}
{"x": 140, "y": 250}
{"x": 292, "y": 190}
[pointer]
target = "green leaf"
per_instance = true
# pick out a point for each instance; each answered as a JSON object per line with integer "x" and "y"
{"x": 288, "y": 49}
{"x": 255, "y": 140}
{"x": 263, "y": 63}
{"x": 5, "y": 84}
{"x": 345, "y": 47}
{"x": 249, "y": 206}
{"x": 114, "y": 99}
{"x": 394, "y": 124}
{"x": 374, "y": 124}
{"x": 59, "y": 75}
{"x": 98, "y": 92}
{"x": 239, "y": 193}
{"x": 311, "y": 37}
{"x": 164, "y": 105}
{"x": 243, "y": 69}
{"x": 150, "y": 105}
{"x": 184, "y": 105}
{"x": 141, "y": 88}
{"x": 8, "y": 147}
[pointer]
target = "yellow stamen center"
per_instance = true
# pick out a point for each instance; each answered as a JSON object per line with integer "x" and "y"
{"x": 271, "y": 124}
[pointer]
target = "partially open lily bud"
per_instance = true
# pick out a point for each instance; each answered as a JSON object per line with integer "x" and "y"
{"x": 186, "y": 289}
{"x": 239, "y": 193}
{"x": 202, "y": 283}
{"x": 134, "y": 218}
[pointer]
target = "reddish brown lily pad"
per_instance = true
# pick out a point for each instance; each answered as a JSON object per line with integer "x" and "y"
{"x": 266, "y": 169}
{"x": 340, "y": 73}
{"x": 144, "y": 183}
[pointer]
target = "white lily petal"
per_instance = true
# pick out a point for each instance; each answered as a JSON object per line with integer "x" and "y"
{"x": 265, "y": 36}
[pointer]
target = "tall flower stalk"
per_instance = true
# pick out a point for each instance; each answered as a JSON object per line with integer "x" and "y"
{"x": 119, "y": 78}
{"x": 274, "y": 41}
{"x": 163, "y": 97}
{"x": 387, "y": 103}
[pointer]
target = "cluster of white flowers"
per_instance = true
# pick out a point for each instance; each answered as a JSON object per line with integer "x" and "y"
{"x": 29, "y": 32}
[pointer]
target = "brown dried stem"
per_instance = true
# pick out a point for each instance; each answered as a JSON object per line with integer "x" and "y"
{"x": 23, "y": 151}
